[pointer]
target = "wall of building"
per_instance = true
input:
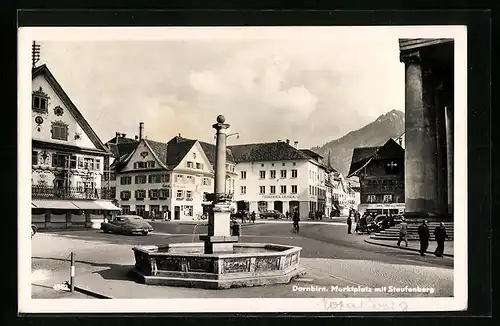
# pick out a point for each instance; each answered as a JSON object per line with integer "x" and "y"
{"x": 248, "y": 176}
{"x": 375, "y": 181}
{"x": 309, "y": 181}
{"x": 42, "y": 131}
{"x": 43, "y": 173}
{"x": 186, "y": 183}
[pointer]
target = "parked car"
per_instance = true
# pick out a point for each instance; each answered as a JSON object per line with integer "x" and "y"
{"x": 272, "y": 214}
{"x": 127, "y": 224}
{"x": 33, "y": 230}
{"x": 240, "y": 214}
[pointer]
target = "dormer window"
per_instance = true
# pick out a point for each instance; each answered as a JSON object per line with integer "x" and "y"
{"x": 59, "y": 130}
{"x": 40, "y": 101}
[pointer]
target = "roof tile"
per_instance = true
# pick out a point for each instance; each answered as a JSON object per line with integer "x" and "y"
{"x": 262, "y": 152}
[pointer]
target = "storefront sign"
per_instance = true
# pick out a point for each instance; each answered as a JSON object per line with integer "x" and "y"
{"x": 385, "y": 206}
{"x": 296, "y": 197}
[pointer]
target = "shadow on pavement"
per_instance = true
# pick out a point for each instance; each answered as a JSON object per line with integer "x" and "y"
{"x": 109, "y": 271}
{"x": 118, "y": 273}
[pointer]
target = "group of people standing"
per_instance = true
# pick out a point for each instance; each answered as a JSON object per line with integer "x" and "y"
{"x": 424, "y": 236}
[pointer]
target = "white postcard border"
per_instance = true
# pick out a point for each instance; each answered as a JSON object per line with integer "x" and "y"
{"x": 26, "y": 35}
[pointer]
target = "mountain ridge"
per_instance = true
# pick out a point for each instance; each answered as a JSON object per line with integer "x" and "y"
{"x": 376, "y": 133}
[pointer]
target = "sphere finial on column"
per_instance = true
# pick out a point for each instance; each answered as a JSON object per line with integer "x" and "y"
{"x": 221, "y": 118}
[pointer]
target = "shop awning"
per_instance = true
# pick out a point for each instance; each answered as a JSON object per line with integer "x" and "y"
{"x": 107, "y": 205}
{"x": 53, "y": 204}
{"x": 87, "y": 204}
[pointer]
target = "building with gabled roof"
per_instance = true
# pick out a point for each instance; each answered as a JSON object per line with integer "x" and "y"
{"x": 381, "y": 177}
{"x": 67, "y": 160}
{"x": 158, "y": 179}
{"x": 279, "y": 176}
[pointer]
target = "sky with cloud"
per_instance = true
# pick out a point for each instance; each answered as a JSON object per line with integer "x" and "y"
{"x": 306, "y": 88}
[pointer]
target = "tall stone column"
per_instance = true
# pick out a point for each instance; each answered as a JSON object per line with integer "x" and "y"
{"x": 220, "y": 155}
{"x": 449, "y": 155}
{"x": 219, "y": 237}
{"x": 420, "y": 142}
{"x": 442, "y": 173}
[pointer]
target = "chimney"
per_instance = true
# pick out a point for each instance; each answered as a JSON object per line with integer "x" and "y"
{"x": 116, "y": 137}
{"x": 279, "y": 140}
{"x": 288, "y": 141}
{"x": 141, "y": 129}
{"x": 296, "y": 143}
{"x": 136, "y": 137}
{"x": 123, "y": 135}
{"x": 179, "y": 135}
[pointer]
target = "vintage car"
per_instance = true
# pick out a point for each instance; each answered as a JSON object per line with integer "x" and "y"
{"x": 127, "y": 224}
{"x": 272, "y": 214}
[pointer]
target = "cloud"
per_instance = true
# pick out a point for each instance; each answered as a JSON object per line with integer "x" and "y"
{"x": 307, "y": 89}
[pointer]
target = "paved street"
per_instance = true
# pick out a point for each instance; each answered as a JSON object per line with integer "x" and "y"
{"x": 330, "y": 257}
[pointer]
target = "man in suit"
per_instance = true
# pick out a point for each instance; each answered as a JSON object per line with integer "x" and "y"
{"x": 423, "y": 233}
{"x": 403, "y": 230}
{"x": 440, "y": 235}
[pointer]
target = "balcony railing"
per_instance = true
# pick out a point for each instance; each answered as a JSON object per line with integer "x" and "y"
{"x": 71, "y": 193}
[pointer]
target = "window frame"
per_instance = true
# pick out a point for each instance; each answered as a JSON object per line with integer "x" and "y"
{"x": 59, "y": 130}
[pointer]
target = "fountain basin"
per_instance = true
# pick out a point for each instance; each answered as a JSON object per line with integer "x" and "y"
{"x": 186, "y": 265}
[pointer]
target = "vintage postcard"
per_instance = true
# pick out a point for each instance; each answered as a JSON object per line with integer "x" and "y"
{"x": 319, "y": 169}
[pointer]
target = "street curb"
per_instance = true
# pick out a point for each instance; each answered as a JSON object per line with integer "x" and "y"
{"x": 91, "y": 293}
{"x": 403, "y": 248}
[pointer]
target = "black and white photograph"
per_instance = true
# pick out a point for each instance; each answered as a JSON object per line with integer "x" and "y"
{"x": 312, "y": 168}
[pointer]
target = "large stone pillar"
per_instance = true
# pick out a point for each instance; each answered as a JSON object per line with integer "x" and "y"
{"x": 219, "y": 237}
{"x": 449, "y": 155}
{"x": 220, "y": 156}
{"x": 442, "y": 168}
{"x": 420, "y": 142}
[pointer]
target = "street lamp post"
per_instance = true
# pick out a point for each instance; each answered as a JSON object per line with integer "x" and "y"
{"x": 219, "y": 237}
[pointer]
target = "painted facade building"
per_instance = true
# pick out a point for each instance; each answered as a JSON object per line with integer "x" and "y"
{"x": 158, "y": 180}
{"x": 67, "y": 160}
{"x": 278, "y": 176}
{"x": 381, "y": 177}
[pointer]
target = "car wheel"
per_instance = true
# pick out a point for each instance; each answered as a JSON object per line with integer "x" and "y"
{"x": 144, "y": 232}
{"x": 105, "y": 230}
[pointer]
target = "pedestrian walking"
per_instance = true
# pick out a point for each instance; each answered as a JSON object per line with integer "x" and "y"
{"x": 403, "y": 231}
{"x": 296, "y": 219}
{"x": 349, "y": 224}
{"x": 423, "y": 233}
{"x": 440, "y": 235}
{"x": 253, "y": 216}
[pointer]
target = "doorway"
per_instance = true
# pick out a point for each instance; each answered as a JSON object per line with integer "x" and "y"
{"x": 177, "y": 213}
{"x": 293, "y": 206}
{"x": 278, "y": 206}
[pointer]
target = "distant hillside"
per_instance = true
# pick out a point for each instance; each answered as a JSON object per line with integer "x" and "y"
{"x": 391, "y": 124}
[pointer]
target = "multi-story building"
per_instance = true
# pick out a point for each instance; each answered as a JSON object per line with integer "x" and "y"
{"x": 120, "y": 146}
{"x": 345, "y": 197}
{"x": 381, "y": 177}
{"x": 172, "y": 177}
{"x": 67, "y": 160}
{"x": 278, "y": 176}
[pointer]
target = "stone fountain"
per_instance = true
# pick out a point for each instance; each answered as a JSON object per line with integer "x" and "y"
{"x": 219, "y": 260}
